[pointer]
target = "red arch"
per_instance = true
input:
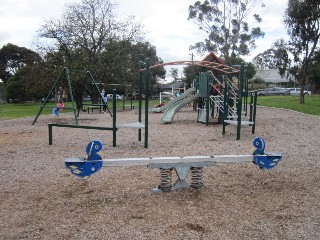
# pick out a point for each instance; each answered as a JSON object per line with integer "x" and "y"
{"x": 211, "y": 65}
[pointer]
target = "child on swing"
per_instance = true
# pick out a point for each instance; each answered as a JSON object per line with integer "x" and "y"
{"x": 60, "y": 106}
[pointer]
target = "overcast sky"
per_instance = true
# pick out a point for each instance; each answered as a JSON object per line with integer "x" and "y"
{"x": 165, "y": 22}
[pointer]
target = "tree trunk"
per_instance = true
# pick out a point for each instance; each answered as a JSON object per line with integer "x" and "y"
{"x": 301, "y": 95}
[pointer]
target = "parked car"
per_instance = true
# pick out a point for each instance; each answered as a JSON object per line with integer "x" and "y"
{"x": 51, "y": 100}
{"x": 163, "y": 96}
{"x": 118, "y": 97}
{"x": 136, "y": 96}
{"x": 273, "y": 91}
{"x": 156, "y": 96}
{"x": 296, "y": 91}
{"x": 87, "y": 98}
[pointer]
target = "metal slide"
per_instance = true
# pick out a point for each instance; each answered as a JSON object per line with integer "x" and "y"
{"x": 177, "y": 99}
{"x": 168, "y": 115}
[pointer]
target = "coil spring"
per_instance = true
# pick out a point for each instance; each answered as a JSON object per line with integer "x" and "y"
{"x": 165, "y": 179}
{"x": 196, "y": 177}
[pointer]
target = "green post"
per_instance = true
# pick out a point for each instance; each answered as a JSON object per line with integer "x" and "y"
{"x": 239, "y": 106}
{"x": 245, "y": 104}
{"x": 254, "y": 111}
{"x": 146, "y": 129}
{"x": 51, "y": 125}
{"x": 221, "y": 114}
{"x": 251, "y": 106}
{"x": 114, "y": 119}
{"x": 207, "y": 99}
{"x": 225, "y": 105}
{"x": 140, "y": 96}
{"x": 50, "y": 133}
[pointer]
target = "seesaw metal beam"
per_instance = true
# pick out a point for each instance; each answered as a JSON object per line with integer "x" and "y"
{"x": 83, "y": 168}
{"x": 132, "y": 162}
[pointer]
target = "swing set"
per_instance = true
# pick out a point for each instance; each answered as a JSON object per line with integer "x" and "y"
{"x": 65, "y": 74}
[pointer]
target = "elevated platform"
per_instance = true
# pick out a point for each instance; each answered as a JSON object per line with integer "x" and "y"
{"x": 137, "y": 125}
{"x": 235, "y": 122}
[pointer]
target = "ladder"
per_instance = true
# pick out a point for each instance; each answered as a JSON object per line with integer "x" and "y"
{"x": 232, "y": 114}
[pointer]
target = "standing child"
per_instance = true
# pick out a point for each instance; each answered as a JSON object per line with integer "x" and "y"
{"x": 105, "y": 99}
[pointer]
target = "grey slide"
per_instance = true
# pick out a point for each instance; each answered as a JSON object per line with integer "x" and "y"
{"x": 170, "y": 112}
{"x": 173, "y": 101}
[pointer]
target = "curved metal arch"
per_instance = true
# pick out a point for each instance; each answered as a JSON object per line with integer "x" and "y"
{"x": 211, "y": 65}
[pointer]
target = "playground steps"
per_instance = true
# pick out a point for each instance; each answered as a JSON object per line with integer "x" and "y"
{"x": 219, "y": 101}
{"x": 235, "y": 117}
{"x": 232, "y": 114}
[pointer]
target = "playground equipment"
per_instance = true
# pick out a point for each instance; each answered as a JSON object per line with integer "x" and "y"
{"x": 65, "y": 73}
{"x": 218, "y": 67}
{"x": 229, "y": 100}
{"x": 114, "y": 128}
{"x": 226, "y": 92}
{"x": 125, "y": 86}
{"x": 174, "y": 101}
{"x": 172, "y": 107}
{"x": 170, "y": 112}
{"x": 84, "y": 167}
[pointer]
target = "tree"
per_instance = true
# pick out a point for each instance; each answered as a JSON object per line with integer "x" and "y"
{"x": 13, "y": 58}
{"x": 302, "y": 20}
{"x": 90, "y": 36}
{"x": 86, "y": 31}
{"x": 250, "y": 69}
{"x": 190, "y": 72}
{"x": 276, "y": 57}
{"x": 174, "y": 74}
{"x": 27, "y": 85}
{"x": 314, "y": 72}
{"x": 226, "y": 26}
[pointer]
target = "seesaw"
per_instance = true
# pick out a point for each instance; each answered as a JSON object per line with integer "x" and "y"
{"x": 84, "y": 167}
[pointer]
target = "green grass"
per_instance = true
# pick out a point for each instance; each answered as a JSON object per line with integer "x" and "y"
{"x": 11, "y": 111}
{"x": 311, "y": 105}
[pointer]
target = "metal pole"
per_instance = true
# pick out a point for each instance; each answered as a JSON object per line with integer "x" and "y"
{"x": 146, "y": 129}
{"x": 254, "y": 111}
{"x": 140, "y": 95}
{"x": 50, "y": 133}
{"x": 251, "y": 107}
{"x": 51, "y": 125}
{"x": 225, "y": 105}
{"x": 239, "y": 107}
{"x": 114, "y": 119}
{"x": 207, "y": 99}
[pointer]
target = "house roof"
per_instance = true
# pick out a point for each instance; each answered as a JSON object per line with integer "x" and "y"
{"x": 212, "y": 57}
{"x": 271, "y": 76}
